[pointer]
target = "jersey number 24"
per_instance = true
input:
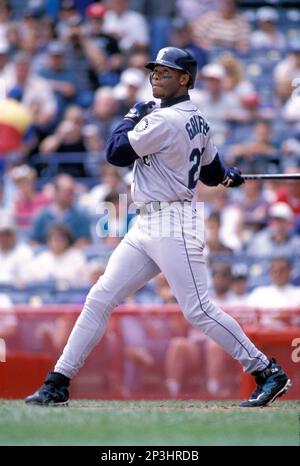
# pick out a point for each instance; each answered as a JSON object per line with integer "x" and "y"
{"x": 194, "y": 172}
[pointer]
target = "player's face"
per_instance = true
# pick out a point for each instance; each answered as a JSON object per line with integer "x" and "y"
{"x": 168, "y": 83}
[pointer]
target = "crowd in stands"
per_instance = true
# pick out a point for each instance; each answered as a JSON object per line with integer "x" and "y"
{"x": 70, "y": 70}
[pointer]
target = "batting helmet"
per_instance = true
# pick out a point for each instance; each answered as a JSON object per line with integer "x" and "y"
{"x": 179, "y": 59}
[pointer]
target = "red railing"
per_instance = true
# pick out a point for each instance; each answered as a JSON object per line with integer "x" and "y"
{"x": 132, "y": 359}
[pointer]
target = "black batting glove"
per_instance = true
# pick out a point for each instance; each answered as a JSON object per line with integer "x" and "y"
{"x": 232, "y": 178}
{"x": 140, "y": 110}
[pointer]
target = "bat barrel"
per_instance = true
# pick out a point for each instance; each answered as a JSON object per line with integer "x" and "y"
{"x": 277, "y": 176}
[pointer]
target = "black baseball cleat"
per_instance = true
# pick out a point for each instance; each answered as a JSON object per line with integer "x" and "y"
{"x": 54, "y": 392}
{"x": 272, "y": 383}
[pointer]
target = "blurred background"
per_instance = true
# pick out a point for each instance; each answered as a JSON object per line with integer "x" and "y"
{"x": 69, "y": 71}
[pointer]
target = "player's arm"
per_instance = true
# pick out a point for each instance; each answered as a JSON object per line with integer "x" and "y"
{"x": 119, "y": 151}
{"x": 213, "y": 171}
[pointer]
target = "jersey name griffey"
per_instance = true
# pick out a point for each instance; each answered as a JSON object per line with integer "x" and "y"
{"x": 172, "y": 143}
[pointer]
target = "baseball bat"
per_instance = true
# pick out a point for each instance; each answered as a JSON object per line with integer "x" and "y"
{"x": 277, "y": 176}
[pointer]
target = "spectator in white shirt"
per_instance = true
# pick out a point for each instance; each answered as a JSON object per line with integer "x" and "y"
{"x": 281, "y": 294}
{"x": 61, "y": 262}
{"x": 126, "y": 25}
{"x": 267, "y": 34}
{"x": 13, "y": 254}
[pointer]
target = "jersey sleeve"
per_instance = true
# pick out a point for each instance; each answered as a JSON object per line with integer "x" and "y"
{"x": 210, "y": 151}
{"x": 151, "y": 135}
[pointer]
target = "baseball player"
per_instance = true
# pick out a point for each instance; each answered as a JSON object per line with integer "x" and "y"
{"x": 171, "y": 148}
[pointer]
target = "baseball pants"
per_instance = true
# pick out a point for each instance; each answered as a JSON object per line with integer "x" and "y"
{"x": 166, "y": 240}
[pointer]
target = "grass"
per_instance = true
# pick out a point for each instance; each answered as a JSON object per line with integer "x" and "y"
{"x": 149, "y": 423}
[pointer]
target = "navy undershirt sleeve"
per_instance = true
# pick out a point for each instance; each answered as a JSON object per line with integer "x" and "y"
{"x": 212, "y": 174}
{"x": 118, "y": 149}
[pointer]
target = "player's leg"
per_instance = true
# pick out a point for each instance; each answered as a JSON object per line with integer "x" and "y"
{"x": 181, "y": 260}
{"x": 128, "y": 269}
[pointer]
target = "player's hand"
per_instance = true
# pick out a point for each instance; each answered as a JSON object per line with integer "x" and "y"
{"x": 140, "y": 110}
{"x": 233, "y": 177}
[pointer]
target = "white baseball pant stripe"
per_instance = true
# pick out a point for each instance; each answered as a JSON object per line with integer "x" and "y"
{"x": 141, "y": 255}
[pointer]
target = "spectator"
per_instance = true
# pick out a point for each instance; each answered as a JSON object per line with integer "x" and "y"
{"x": 280, "y": 295}
{"x": 234, "y": 80}
{"x": 63, "y": 210}
{"x": 128, "y": 26}
{"x": 68, "y": 139}
{"x": 215, "y": 100}
{"x": 60, "y": 262}
{"x": 14, "y": 255}
{"x": 276, "y": 239}
{"x": 5, "y": 16}
{"x": 191, "y": 9}
{"x": 111, "y": 181}
{"x": 221, "y": 282}
{"x": 239, "y": 285}
{"x": 114, "y": 60}
{"x": 223, "y": 27}
{"x": 103, "y": 114}
{"x": 259, "y": 155}
{"x": 287, "y": 71}
{"x": 127, "y": 91}
{"x": 28, "y": 201}
{"x": 252, "y": 207}
{"x": 60, "y": 78}
{"x": 112, "y": 227}
{"x": 158, "y": 15}
{"x": 289, "y": 193}
{"x": 267, "y": 35}
{"x": 213, "y": 243}
{"x": 35, "y": 93}
{"x": 84, "y": 56}
{"x": 181, "y": 36}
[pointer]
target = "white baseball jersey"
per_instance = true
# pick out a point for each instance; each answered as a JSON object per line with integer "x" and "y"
{"x": 173, "y": 143}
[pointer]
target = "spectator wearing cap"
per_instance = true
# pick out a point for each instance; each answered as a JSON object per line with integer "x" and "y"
{"x": 279, "y": 295}
{"x": 181, "y": 36}
{"x": 126, "y": 92}
{"x": 214, "y": 101}
{"x": 61, "y": 78}
{"x": 14, "y": 255}
{"x": 287, "y": 72}
{"x": 28, "y": 201}
{"x": 223, "y": 26}
{"x": 267, "y": 35}
{"x": 114, "y": 60}
{"x": 63, "y": 210}
{"x": 239, "y": 285}
{"x": 277, "y": 238}
{"x": 129, "y": 27}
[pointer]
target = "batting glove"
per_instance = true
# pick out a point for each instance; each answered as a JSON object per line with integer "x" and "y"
{"x": 233, "y": 177}
{"x": 140, "y": 110}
